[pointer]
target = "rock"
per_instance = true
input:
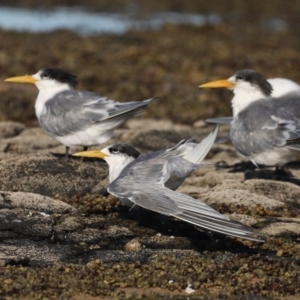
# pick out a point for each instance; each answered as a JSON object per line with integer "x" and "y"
{"x": 30, "y": 140}
{"x": 36, "y": 226}
{"x": 69, "y": 223}
{"x": 99, "y": 227}
{"x": 10, "y": 129}
{"x": 118, "y": 232}
{"x": 35, "y": 202}
{"x": 157, "y": 139}
{"x": 245, "y": 219}
{"x": 200, "y": 124}
{"x": 27, "y": 214}
{"x": 86, "y": 235}
{"x": 281, "y": 229}
{"x": 133, "y": 246}
{"x": 9, "y": 219}
{"x": 48, "y": 175}
{"x": 281, "y": 191}
{"x": 25, "y": 223}
{"x": 213, "y": 178}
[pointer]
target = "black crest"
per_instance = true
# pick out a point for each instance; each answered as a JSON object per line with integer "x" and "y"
{"x": 255, "y": 78}
{"x": 124, "y": 148}
{"x": 59, "y": 75}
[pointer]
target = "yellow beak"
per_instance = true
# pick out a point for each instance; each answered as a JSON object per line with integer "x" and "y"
{"x": 218, "y": 84}
{"x": 91, "y": 153}
{"x": 22, "y": 79}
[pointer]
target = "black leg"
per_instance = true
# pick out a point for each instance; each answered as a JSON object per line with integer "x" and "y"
{"x": 67, "y": 153}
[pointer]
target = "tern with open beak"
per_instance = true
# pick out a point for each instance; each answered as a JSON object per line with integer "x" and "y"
{"x": 150, "y": 181}
{"x": 264, "y": 129}
{"x": 72, "y": 117}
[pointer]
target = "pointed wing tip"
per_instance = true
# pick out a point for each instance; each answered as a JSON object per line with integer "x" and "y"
{"x": 154, "y": 99}
{"x": 255, "y": 237}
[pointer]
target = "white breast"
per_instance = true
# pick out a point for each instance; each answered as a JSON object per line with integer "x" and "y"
{"x": 278, "y": 156}
{"x": 45, "y": 94}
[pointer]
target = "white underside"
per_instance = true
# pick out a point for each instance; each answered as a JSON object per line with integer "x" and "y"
{"x": 95, "y": 134}
{"x": 92, "y": 136}
{"x": 275, "y": 157}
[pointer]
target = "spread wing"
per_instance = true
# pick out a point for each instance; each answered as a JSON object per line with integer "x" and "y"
{"x": 165, "y": 201}
{"x": 262, "y": 126}
{"x": 176, "y": 170}
{"x": 72, "y": 111}
{"x": 143, "y": 183}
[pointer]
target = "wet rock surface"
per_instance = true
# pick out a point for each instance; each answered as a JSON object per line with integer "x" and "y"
{"x": 58, "y": 225}
{"x": 74, "y": 245}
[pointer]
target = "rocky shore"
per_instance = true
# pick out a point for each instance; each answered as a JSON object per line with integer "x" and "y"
{"x": 63, "y": 237}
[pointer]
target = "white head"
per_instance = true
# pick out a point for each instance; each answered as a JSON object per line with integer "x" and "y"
{"x": 52, "y": 78}
{"x": 247, "y": 86}
{"x": 117, "y": 156}
{"x": 48, "y": 78}
{"x": 49, "y": 81}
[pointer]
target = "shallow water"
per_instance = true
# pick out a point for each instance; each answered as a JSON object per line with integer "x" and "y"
{"x": 89, "y": 23}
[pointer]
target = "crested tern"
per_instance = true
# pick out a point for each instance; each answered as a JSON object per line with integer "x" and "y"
{"x": 280, "y": 87}
{"x": 72, "y": 117}
{"x": 263, "y": 128}
{"x": 150, "y": 181}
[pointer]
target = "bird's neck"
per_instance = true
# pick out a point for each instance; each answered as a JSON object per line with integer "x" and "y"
{"x": 242, "y": 98}
{"x": 114, "y": 172}
{"x": 46, "y": 94}
{"x": 117, "y": 166}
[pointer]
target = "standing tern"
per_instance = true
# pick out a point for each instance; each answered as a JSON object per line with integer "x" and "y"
{"x": 72, "y": 117}
{"x": 264, "y": 129}
{"x": 150, "y": 181}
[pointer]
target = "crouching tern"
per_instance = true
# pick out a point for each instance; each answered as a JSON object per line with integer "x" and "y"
{"x": 72, "y": 117}
{"x": 150, "y": 181}
{"x": 264, "y": 129}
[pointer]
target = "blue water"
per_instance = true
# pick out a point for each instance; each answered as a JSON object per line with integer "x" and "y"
{"x": 88, "y": 23}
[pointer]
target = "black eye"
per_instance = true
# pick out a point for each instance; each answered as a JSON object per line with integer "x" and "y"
{"x": 113, "y": 150}
{"x": 240, "y": 77}
{"x": 46, "y": 75}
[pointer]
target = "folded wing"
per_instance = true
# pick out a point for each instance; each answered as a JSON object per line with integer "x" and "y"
{"x": 72, "y": 111}
{"x": 263, "y": 126}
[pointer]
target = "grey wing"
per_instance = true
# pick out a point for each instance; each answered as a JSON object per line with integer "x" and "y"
{"x": 221, "y": 121}
{"x": 142, "y": 175}
{"x": 195, "y": 153}
{"x": 263, "y": 126}
{"x": 72, "y": 111}
{"x": 175, "y": 172}
{"x": 291, "y": 103}
{"x": 164, "y": 167}
{"x": 142, "y": 182}
{"x": 171, "y": 203}
{"x": 177, "y": 169}
{"x": 198, "y": 213}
